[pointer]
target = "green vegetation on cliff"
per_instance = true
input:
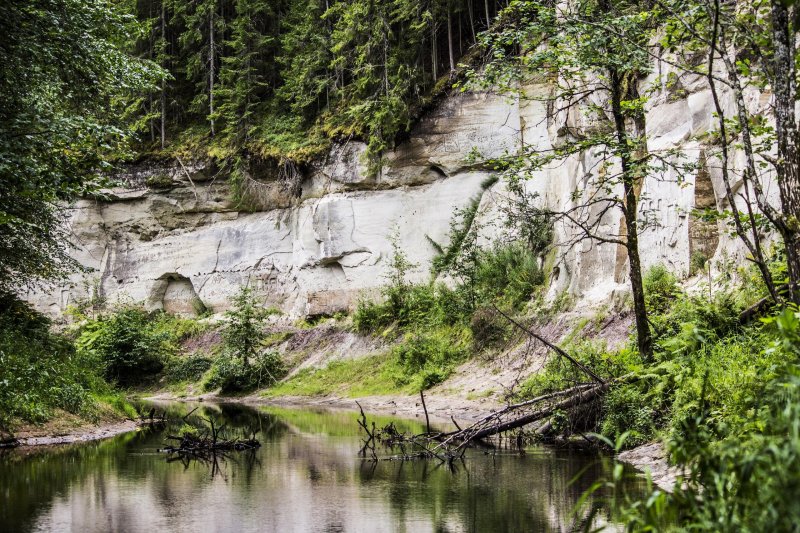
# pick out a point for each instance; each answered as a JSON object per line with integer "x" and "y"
{"x": 278, "y": 79}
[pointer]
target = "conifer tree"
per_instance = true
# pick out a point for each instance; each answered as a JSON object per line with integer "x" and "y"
{"x": 201, "y": 41}
{"x": 246, "y": 72}
{"x": 309, "y": 82}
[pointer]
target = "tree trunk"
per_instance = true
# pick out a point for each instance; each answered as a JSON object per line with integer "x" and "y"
{"x": 754, "y": 246}
{"x": 163, "y": 99}
{"x": 211, "y": 70}
{"x": 630, "y": 180}
{"x": 470, "y": 11}
{"x": 434, "y": 57}
{"x": 488, "y": 17}
{"x": 788, "y": 166}
{"x": 450, "y": 38}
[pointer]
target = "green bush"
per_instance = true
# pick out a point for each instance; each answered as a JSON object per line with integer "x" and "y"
{"x": 509, "y": 274}
{"x": 628, "y": 409}
{"x": 743, "y": 471}
{"x": 39, "y": 370}
{"x": 488, "y": 328}
{"x": 186, "y": 369}
{"x": 127, "y": 343}
{"x": 244, "y": 331}
{"x": 409, "y": 307}
{"x": 427, "y": 358}
{"x": 231, "y": 375}
{"x": 558, "y": 373}
{"x": 178, "y": 328}
{"x": 660, "y": 288}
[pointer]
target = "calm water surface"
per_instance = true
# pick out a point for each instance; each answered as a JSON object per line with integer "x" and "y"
{"x": 305, "y": 477}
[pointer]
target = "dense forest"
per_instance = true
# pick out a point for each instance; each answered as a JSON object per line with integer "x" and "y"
{"x": 709, "y": 369}
{"x": 277, "y": 79}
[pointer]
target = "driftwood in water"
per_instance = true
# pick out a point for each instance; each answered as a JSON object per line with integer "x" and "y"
{"x": 152, "y": 419}
{"x": 524, "y": 413}
{"x": 209, "y": 444}
{"x": 448, "y": 446}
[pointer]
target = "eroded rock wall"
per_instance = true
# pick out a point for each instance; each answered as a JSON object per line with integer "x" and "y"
{"x": 173, "y": 237}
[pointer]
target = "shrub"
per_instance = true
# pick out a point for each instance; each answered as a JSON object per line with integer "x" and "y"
{"x": 39, "y": 370}
{"x": 127, "y": 344}
{"x": 558, "y": 373}
{"x": 488, "y": 328}
{"x": 179, "y": 328}
{"x": 508, "y": 273}
{"x": 660, "y": 288}
{"x": 244, "y": 331}
{"x": 742, "y": 473}
{"x": 232, "y": 375}
{"x": 627, "y": 409}
{"x": 427, "y": 358}
{"x": 186, "y": 369}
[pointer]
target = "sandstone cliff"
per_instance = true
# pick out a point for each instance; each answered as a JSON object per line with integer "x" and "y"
{"x": 173, "y": 238}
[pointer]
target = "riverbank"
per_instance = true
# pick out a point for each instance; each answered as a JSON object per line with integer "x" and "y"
{"x": 443, "y": 409}
{"x": 66, "y": 428}
{"x": 40, "y": 437}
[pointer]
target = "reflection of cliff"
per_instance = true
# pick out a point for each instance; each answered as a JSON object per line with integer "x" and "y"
{"x": 183, "y": 243}
{"x": 298, "y": 481}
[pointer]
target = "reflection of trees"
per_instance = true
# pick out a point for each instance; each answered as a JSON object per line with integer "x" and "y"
{"x": 300, "y": 478}
{"x": 502, "y": 493}
{"x": 31, "y": 478}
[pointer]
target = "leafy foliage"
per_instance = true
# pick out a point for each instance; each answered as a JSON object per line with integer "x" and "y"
{"x": 187, "y": 369}
{"x": 628, "y": 411}
{"x": 41, "y": 371}
{"x": 243, "y": 364}
{"x": 64, "y": 85}
{"x": 127, "y": 345}
{"x": 440, "y": 326}
{"x": 244, "y": 332}
{"x": 743, "y": 464}
{"x": 231, "y": 375}
{"x": 428, "y": 358}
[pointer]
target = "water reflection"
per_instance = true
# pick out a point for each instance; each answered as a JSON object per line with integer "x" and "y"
{"x": 305, "y": 477}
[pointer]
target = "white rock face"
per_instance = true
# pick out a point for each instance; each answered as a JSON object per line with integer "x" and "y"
{"x": 174, "y": 239}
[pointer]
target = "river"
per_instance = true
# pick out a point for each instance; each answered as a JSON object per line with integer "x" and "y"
{"x": 306, "y": 476}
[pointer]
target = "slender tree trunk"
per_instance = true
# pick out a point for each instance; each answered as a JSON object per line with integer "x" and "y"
{"x": 385, "y": 27}
{"x": 788, "y": 165}
{"x": 488, "y": 17}
{"x": 630, "y": 178}
{"x": 450, "y": 38}
{"x": 471, "y": 13}
{"x": 163, "y": 102}
{"x": 434, "y": 55}
{"x": 151, "y": 104}
{"x": 460, "y": 35}
{"x": 211, "y": 70}
{"x": 327, "y": 73}
{"x": 754, "y": 246}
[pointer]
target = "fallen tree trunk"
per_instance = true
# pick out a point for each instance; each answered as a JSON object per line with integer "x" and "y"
{"x": 450, "y": 446}
{"x": 579, "y": 398}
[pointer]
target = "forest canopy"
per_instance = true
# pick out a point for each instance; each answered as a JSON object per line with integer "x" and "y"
{"x": 64, "y": 83}
{"x": 279, "y": 78}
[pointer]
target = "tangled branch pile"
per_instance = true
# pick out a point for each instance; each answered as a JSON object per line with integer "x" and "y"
{"x": 208, "y": 445}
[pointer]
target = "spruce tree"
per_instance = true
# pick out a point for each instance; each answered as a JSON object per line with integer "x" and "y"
{"x": 246, "y": 71}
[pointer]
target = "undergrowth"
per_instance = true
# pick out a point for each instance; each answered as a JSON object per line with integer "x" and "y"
{"x": 442, "y": 323}
{"x": 41, "y": 372}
